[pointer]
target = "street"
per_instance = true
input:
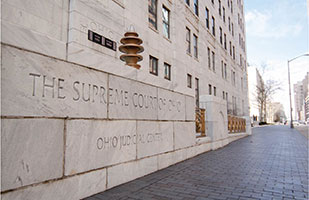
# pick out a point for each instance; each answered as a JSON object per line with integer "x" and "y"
{"x": 270, "y": 164}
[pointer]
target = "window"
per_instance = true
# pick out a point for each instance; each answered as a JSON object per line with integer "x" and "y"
{"x": 239, "y": 38}
{"x": 223, "y": 95}
{"x": 195, "y": 40}
{"x": 153, "y": 65}
{"x": 209, "y": 62}
{"x": 232, "y": 29}
{"x": 188, "y": 2}
{"x": 223, "y": 9}
{"x": 233, "y": 77}
{"x": 197, "y": 93}
{"x": 215, "y": 91}
{"x": 222, "y": 69}
{"x": 152, "y": 15}
{"x": 212, "y": 1}
{"x": 226, "y": 96}
{"x": 213, "y": 26}
{"x": 228, "y": 3}
{"x": 225, "y": 72}
{"x": 224, "y": 41}
{"x": 188, "y": 40}
{"x": 220, "y": 31}
{"x": 231, "y": 6}
{"x": 167, "y": 71}
{"x": 209, "y": 89}
{"x": 219, "y": 7}
{"x": 166, "y": 22}
{"x": 234, "y": 52}
{"x": 189, "y": 81}
{"x": 196, "y": 7}
{"x": 207, "y": 17}
{"x": 213, "y": 61}
{"x": 240, "y": 60}
{"x": 230, "y": 48}
{"x": 242, "y": 84}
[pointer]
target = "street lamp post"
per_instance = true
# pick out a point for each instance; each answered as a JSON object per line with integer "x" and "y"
{"x": 291, "y": 110}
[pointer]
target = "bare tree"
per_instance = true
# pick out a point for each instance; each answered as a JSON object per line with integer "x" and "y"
{"x": 264, "y": 93}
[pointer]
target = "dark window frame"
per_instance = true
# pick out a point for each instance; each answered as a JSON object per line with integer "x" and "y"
{"x": 189, "y": 80}
{"x": 167, "y": 71}
{"x": 154, "y": 12}
{"x": 166, "y": 23}
{"x": 153, "y": 69}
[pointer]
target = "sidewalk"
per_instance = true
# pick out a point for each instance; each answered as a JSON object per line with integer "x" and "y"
{"x": 272, "y": 163}
{"x": 303, "y": 129}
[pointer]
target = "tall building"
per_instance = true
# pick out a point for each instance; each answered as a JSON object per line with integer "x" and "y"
{"x": 255, "y": 81}
{"x": 275, "y": 112}
{"x": 76, "y": 120}
{"x": 301, "y": 94}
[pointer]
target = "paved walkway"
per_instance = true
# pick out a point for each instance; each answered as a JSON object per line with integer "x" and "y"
{"x": 303, "y": 129}
{"x": 270, "y": 164}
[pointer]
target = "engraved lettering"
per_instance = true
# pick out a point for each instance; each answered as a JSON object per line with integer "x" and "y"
{"x": 95, "y": 91}
{"x": 100, "y": 143}
{"x": 46, "y": 85}
{"x": 110, "y": 95}
{"x": 33, "y": 85}
{"x": 76, "y": 90}
{"x": 135, "y": 99}
{"x": 60, "y": 87}
{"x": 102, "y": 96}
{"x": 83, "y": 92}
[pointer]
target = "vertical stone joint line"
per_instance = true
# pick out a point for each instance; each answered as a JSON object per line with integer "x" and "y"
{"x": 68, "y": 31}
{"x": 64, "y": 145}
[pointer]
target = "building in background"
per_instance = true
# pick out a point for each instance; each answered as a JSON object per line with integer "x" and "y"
{"x": 254, "y": 80}
{"x": 301, "y": 96}
{"x": 275, "y": 112}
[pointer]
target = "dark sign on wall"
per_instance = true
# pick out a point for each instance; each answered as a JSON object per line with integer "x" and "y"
{"x": 101, "y": 40}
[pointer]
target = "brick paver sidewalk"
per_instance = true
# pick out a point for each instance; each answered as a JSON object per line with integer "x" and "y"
{"x": 270, "y": 164}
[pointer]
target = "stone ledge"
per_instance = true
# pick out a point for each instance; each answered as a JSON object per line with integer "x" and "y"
{"x": 203, "y": 140}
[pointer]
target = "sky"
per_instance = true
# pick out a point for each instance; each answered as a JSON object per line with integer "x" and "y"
{"x": 277, "y": 31}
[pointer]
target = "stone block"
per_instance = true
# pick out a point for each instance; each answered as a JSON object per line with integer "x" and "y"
{"x": 36, "y": 85}
{"x": 165, "y": 160}
{"x": 32, "y": 151}
{"x": 190, "y": 108}
{"x": 43, "y": 23}
{"x": 129, "y": 171}
{"x": 76, "y": 187}
{"x": 171, "y": 105}
{"x": 184, "y": 133}
{"x": 92, "y": 144}
{"x": 87, "y": 15}
{"x": 154, "y": 138}
{"x": 131, "y": 100}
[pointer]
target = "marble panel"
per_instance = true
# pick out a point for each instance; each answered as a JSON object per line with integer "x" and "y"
{"x": 184, "y": 134}
{"x": 190, "y": 108}
{"x": 76, "y": 187}
{"x": 36, "y": 85}
{"x": 43, "y": 23}
{"x": 154, "y": 138}
{"x": 129, "y": 171}
{"x": 131, "y": 100}
{"x": 171, "y": 105}
{"x": 92, "y": 144}
{"x": 32, "y": 151}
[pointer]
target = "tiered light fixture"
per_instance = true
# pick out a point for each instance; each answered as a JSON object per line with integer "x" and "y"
{"x": 131, "y": 47}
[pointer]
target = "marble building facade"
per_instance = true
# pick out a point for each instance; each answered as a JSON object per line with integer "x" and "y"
{"x": 77, "y": 121}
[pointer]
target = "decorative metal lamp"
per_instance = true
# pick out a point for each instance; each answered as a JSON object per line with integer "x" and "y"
{"x": 131, "y": 47}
